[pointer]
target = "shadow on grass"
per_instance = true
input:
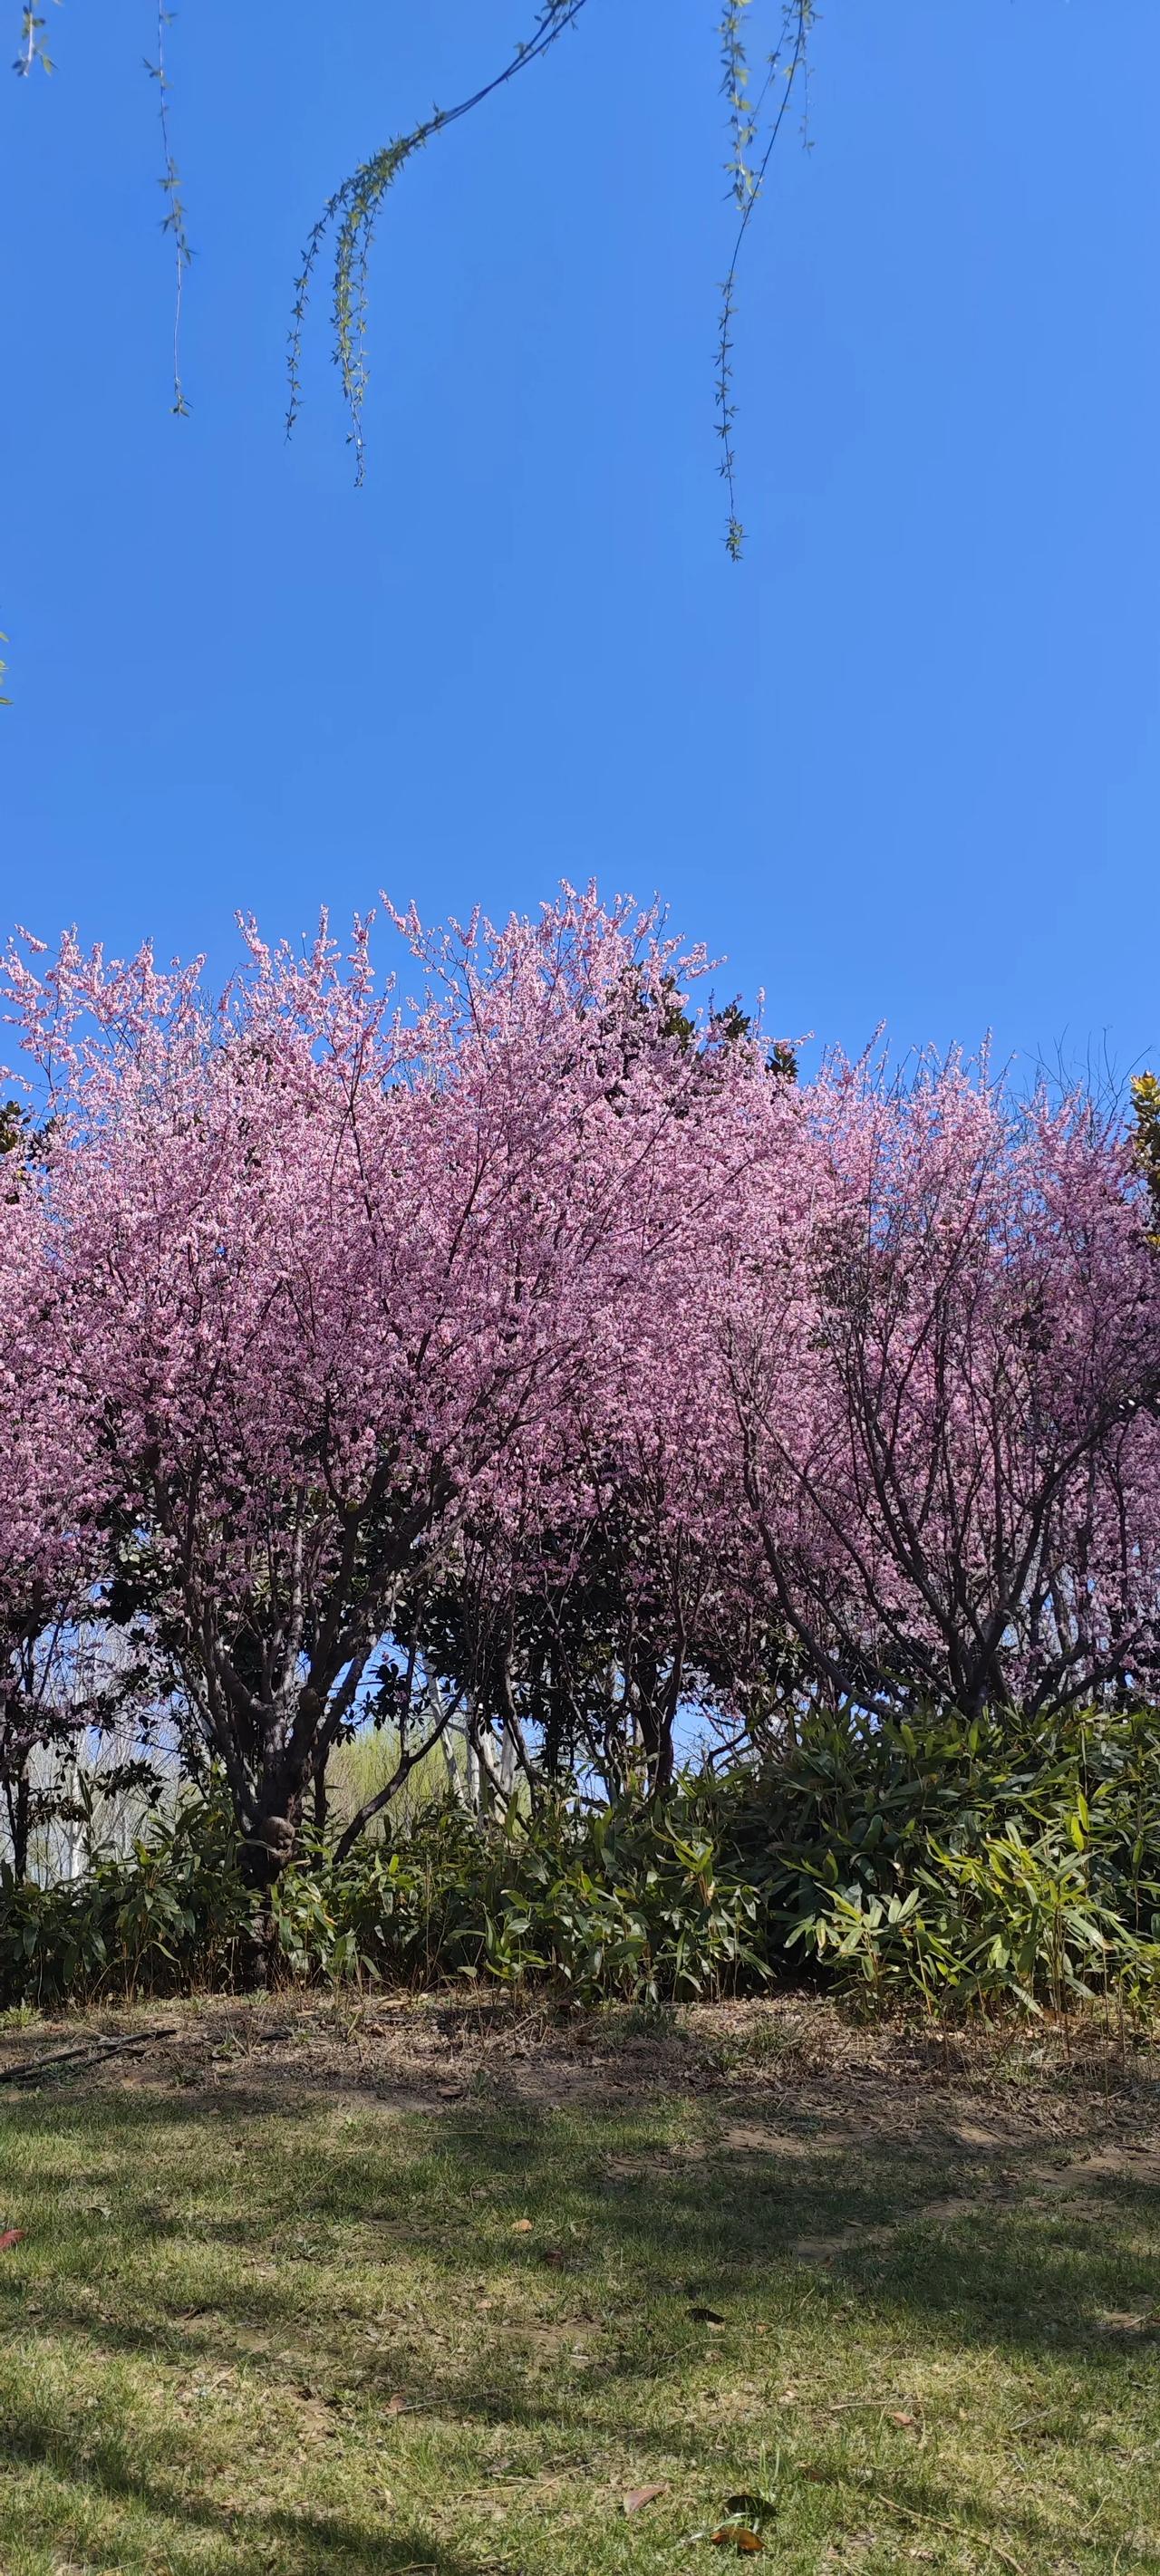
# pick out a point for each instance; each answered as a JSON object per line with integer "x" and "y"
{"x": 254, "y": 2541}
{"x": 740, "y": 2229}
{"x": 632, "y": 2235}
{"x": 602, "y": 2185}
{"x": 259, "y": 2538}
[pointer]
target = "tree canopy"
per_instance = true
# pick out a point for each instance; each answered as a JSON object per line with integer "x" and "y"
{"x": 538, "y": 1348}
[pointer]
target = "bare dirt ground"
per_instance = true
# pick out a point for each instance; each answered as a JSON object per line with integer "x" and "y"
{"x": 788, "y": 2076}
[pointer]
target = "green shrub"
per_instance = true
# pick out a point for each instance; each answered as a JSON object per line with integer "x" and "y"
{"x": 938, "y": 1862}
{"x": 172, "y": 1914}
{"x": 623, "y": 1903}
{"x": 962, "y": 1865}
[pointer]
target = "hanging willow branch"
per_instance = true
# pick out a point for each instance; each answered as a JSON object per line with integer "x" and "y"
{"x": 351, "y": 213}
{"x": 348, "y": 219}
{"x": 746, "y": 181}
{"x": 173, "y": 221}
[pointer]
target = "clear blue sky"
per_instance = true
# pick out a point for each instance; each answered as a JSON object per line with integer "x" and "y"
{"x": 904, "y": 764}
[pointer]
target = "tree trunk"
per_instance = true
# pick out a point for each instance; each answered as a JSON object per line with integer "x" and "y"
{"x": 18, "y": 1819}
{"x": 271, "y": 1830}
{"x": 659, "y": 1753}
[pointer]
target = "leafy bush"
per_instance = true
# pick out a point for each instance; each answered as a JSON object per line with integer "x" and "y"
{"x": 960, "y": 1865}
{"x": 626, "y": 1903}
{"x": 937, "y": 1862}
{"x": 172, "y": 1914}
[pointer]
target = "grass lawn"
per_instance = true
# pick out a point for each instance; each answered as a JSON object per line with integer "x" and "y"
{"x": 418, "y": 2289}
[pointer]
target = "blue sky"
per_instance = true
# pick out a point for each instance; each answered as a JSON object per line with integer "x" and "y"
{"x": 903, "y": 765}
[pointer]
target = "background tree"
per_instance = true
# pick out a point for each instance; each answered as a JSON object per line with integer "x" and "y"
{"x": 942, "y": 1350}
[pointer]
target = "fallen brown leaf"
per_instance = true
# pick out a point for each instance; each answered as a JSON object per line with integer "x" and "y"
{"x": 12, "y": 2236}
{"x": 638, "y": 2496}
{"x": 734, "y": 2535}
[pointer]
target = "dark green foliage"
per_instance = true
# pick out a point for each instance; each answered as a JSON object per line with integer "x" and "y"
{"x": 960, "y": 1864}
{"x": 621, "y": 1903}
{"x": 173, "y": 1914}
{"x": 938, "y": 1863}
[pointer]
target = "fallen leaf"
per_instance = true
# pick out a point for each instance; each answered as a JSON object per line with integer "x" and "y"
{"x": 638, "y": 2496}
{"x": 706, "y": 2316}
{"x": 736, "y": 2535}
{"x": 905, "y": 2420}
{"x": 521, "y": 2227}
{"x": 12, "y": 2236}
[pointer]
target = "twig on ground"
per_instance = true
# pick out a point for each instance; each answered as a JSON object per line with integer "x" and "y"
{"x": 90, "y": 2054}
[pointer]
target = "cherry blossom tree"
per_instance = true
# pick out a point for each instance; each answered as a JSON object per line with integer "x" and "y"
{"x": 534, "y": 1354}
{"x": 578, "y": 1647}
{"x": 943, "y": 1358}
{"x": 349, "y": 1275}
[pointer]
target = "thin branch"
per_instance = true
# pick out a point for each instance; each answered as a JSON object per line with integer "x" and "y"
{"x": 33, "y": 49}
{"x": 174, "y": 220}
{"x": 407, "y": 1763}
{"x": 746, "y": 187}
{"x": 353, "y": 209}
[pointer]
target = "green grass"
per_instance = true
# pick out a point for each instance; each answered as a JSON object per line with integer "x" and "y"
{"x": 260, "y": 2322}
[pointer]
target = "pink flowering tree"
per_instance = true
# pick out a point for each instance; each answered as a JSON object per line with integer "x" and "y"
{"x": 943, "y": 1360}
{"x": 348, "y": 1275}
{"x": 51, "y": 1493}
{"x": 577, "y": 1648}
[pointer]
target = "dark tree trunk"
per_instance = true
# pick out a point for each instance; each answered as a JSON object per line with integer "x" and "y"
{"x": 661, "y": 1757}
{"x": 18, "y": 1804}
{"x": 271, "y": 1831}
{"x": 656, "y": 1731}
{"x": 656, "y": 1702}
